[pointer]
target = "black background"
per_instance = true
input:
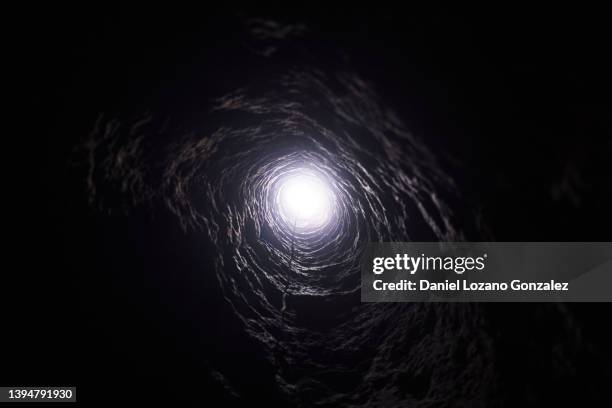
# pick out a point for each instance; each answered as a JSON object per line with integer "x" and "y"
{"x": 516, "y": 100}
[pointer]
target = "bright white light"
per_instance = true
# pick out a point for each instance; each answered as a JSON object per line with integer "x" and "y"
{"x": 304, "y": 200}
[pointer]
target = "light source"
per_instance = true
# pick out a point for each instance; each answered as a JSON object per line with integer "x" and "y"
{"x": 304, "y": 200}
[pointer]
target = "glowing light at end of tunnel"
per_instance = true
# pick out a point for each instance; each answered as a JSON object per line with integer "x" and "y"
{"x": 304, "y": 200}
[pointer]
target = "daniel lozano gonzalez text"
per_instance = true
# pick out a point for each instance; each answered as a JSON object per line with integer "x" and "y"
{"x": 459, "y": 265}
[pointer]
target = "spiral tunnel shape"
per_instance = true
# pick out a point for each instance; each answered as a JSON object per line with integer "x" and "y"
{"x": 295, "y": 289}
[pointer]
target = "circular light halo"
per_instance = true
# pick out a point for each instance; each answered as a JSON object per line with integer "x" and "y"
{"x": 304, "y": 200}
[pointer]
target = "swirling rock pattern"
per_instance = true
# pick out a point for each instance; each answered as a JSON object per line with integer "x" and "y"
{"x": 297, "y": 294}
